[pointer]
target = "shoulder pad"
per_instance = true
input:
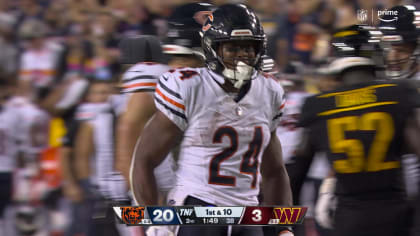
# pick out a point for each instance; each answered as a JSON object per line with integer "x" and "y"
{"x": 142, "y": 77}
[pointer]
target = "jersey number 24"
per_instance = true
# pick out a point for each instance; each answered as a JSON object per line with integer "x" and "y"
{"x": 249, "y": 164}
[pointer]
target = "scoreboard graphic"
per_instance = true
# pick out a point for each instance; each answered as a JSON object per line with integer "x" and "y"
{"x": 202, "y": 215}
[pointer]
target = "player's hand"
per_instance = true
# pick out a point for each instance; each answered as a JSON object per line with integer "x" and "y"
{"x": 286, "y": 233}
{"x": 160, "y": 231}
{"x": 73, "y": 192}
{"x": 325, "y": 205}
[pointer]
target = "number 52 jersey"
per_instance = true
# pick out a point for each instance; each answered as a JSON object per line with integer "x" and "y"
{"x": 361, "y": 129}
{"x": 224, "y": 139}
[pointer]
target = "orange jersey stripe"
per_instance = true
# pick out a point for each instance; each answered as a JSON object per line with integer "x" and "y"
{"x": 140, "y": 85}
{"x": 170, "y": 100}
{"x": 282, "y": 105}
{"x": 42, "y": 72}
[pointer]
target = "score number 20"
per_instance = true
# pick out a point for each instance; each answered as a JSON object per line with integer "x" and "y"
{"x": 165, "y": 215}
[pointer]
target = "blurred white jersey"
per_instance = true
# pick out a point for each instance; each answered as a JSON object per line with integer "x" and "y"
{"x": 288, "y": 132}
{"x": 223, "y": 143}
{"x": 143, "y": 77}
{"x": 290, "y": 135}
{"x": 9, "y": 123}
{"x": 39, "y": 66}
{"x": 33, "y": 129}
{"x": 111, "y": 184}
{"x": 118, "y": 102}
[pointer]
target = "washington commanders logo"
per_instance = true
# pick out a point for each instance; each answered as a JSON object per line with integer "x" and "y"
{"x": 132, "y": 215}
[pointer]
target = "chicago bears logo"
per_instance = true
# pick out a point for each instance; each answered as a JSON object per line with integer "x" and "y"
{"x": 132, "y": 215}
{"x": 209, "y": 22}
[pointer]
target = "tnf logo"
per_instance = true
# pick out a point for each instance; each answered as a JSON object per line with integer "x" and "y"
{"x": 362, "y": 15}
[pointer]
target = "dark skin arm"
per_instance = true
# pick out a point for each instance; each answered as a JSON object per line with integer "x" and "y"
{"x": 300, "y": 166}
{"x": 71, "y": 188}
{"x": 276, "y": 185}
{"x": 83, "y": 149}
{"x": 157, "y": 139}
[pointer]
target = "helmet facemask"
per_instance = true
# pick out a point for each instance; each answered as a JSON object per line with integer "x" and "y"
{"x": 401, "y": 42}
{"x": 234, "y": 24}
{"x": 239, "y": 60}
{"x": 400, "y": 60}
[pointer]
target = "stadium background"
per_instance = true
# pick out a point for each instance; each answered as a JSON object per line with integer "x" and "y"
{"x": 83, "y": 37}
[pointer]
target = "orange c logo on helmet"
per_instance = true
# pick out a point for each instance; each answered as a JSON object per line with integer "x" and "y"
{"x": 208, "y": 25}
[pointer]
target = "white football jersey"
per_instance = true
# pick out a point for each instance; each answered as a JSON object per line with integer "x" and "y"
{"x": 34, "y": 125}
{"x": 142, "y": 77}
{"x": 288, "y": 132}
{"x": 223, "y": 143}
{"x": 39, "y": 66}
{"x": 9, "y": 125}
{"x": 111, "y": 184}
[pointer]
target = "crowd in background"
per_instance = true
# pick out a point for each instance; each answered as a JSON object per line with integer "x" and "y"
{"x": 46, "y": 44}
{"x": 85, "y": 33}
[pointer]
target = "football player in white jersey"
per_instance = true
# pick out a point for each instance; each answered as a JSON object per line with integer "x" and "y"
{"x": 227, "y": 115}
{"x": 94, "y": 161}
{"x": 137, "y": 82}
{"x": 182, "y": 45}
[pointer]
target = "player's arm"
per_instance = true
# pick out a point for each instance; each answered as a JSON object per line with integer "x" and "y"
{"x": 412, "y": 132}
{"x": 157, "y": 139}
{"x": 71, "y": 188}
{"x": 83, "y": 149}
{"x": 300, "y": 164}
{"x": 139, "y": 109}
{"x": 410, "y": 99}
{"x": 276, "y": 185}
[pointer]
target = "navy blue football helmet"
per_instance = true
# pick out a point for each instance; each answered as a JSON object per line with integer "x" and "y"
{"x": 184, "y": 25}
{"x": 232, "y": 22}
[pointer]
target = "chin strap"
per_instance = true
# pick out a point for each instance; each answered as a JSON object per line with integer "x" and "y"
{"x": 239, "y": 75}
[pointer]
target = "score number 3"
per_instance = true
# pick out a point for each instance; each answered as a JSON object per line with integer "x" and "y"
{"x": 381, "y": 122}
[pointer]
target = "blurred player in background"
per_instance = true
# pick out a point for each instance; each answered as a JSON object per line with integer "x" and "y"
{"x": 101, "y": 184}
{"x": 9, "y": 123}
{"x": 401, "y": 43}
{"x": 290, "y": 134}
{"x": 363, "y": 125}
{"x": 226, "y": 116}
{"x": 182, "y": 45}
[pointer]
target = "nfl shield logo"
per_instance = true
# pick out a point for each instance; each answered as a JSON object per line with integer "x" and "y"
{"x": 362, "y": 15}
{"x": 132, "y": 215}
